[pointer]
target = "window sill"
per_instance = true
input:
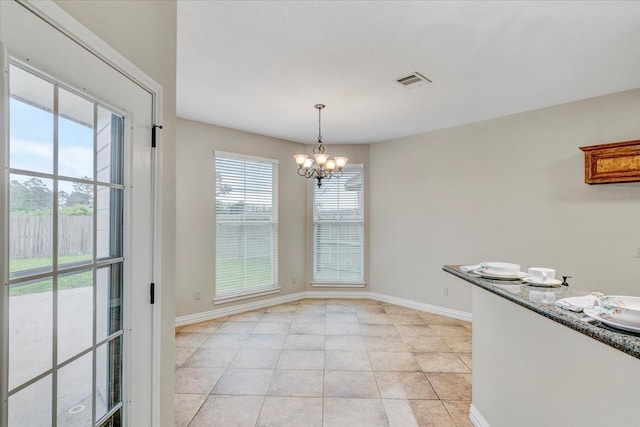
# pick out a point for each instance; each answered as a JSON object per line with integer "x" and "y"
{"x": 338, "y": 284}
{"x": 246, "y": 295}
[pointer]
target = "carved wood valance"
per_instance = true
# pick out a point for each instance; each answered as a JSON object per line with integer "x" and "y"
{"x": 609, "y": 163}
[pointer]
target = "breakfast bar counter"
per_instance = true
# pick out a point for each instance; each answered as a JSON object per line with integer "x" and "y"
{"x": 535, "y": 364}
{"x": 521, "y": 294}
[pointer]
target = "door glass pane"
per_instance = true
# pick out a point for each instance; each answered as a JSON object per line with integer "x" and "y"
{"x": 108, "y": 385}
{"x": 30, "y": 224}
{"x": 109, "y": 222}
{"x": 32, "y": 405}
{"x": 75, "y": 136}
{"x": 31, "y": 122}
{"x": 109, "y": 139}
{"x": 30, "y": 331}
{"x": 114, "y": 421}
{"x": 75, "y": 222}
{"x": 74, "y": 393}
{"x": 75, "y": 314}
{"x": 109, "y": 310}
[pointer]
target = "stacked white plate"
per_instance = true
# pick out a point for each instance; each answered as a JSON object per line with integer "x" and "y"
{"x": 500, "y": 271}
{"x": 622, "y": 312}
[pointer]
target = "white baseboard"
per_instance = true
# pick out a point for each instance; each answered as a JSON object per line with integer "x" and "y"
{"x": 420, "y": 306}
{"x": 268, "y": 302}
{"x": 338, "y": 294}
{"x": 237, "y": 309}
{"x": 476, "y": 418}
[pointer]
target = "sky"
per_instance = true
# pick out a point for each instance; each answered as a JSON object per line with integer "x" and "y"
{"x": 31, "y": 144}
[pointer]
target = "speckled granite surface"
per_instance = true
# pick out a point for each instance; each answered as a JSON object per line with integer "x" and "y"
{"x": 521, "y": 294}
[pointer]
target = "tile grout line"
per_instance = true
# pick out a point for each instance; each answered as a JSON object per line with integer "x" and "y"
{"x": 395, "y": 321}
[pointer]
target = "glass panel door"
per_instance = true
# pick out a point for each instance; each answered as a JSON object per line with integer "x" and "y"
{"x": 66, "y": 201}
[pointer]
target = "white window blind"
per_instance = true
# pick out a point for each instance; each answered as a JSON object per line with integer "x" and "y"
{"x": 246, "y": 225}
{"x": 338, "y": 228}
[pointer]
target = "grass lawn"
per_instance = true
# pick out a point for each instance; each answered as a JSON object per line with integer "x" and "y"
{"x": 71, "y": 281}
{"x": 232, "y": 273}
{"x": 31, "y": 263}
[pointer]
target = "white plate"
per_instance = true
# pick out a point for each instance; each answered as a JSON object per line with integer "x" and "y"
{"x": 517, "y": 276}
{"x": 618, "y": 301}
{"x": 501, "y": 267}
{"x": 600, "y": 315}
{"x": 625, "y": 308}
{"x": 546, "y": 284}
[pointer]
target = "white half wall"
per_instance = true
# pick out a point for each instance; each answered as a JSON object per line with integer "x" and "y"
{"x": 509, "y": 189}
{"x": 530, "y": 371}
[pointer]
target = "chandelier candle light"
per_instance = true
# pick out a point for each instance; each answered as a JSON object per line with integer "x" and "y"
{"x": 321, "y": 166}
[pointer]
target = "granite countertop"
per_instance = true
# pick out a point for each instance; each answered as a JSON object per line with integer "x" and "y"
{"x": 520, "y": 293}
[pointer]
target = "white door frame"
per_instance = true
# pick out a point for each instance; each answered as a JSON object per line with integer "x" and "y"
{"x": 62, "y": 21}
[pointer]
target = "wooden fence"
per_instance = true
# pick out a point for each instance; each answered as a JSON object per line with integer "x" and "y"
{"x": 32, "y": 236}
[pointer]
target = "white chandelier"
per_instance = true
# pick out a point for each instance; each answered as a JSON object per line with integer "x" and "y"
{"x": 321, "y": 166}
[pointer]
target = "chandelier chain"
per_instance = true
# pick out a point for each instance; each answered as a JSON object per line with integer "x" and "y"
{"x": 319, "y": 107}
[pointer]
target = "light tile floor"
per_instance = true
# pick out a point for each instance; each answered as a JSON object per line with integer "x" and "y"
{"x": 324, "y": 362}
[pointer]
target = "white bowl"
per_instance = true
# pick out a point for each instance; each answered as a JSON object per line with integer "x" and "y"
{"x": 500, "y": 268}
{"x": 624, "y": 308}
{"x": 542, "y": 274}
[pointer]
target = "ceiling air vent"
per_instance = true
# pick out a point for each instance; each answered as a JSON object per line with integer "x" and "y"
{"x": 413, "y": 80}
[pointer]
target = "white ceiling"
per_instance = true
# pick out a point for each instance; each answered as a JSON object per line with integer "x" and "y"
{"x": 260, "y": 66}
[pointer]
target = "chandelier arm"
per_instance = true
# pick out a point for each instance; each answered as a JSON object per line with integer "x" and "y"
{"x": 315, "y": 170}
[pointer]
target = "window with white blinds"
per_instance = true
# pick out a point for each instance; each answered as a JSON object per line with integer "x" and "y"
{"x": 338, "y": 228}
{"x": 246, "y": 225}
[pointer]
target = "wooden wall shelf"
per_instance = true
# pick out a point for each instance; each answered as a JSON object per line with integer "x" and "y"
{"x": 609, "y": 163}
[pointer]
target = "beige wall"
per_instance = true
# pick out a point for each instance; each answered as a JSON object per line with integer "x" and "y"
{"x": 195, "y": 207}
{"x": 509, "y": 189}
{"x": 145, "y": 33}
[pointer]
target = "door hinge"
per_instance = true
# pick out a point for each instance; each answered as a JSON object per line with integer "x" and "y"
{"x": 153, "y": 135}
{"x": 152, "y": 293}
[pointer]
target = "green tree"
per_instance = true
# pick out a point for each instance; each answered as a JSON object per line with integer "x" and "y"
{"x": 82, "y": 195}
{"x": 32, "y": 196}
{"x": 63, "y": 196}
{"x": 18, "y": 197}
{"x": 221, "y": 187}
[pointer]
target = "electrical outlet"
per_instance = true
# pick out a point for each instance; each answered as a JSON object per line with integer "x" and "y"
{"x": 445, "y": 292}
{"x": 197, "y": 296}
